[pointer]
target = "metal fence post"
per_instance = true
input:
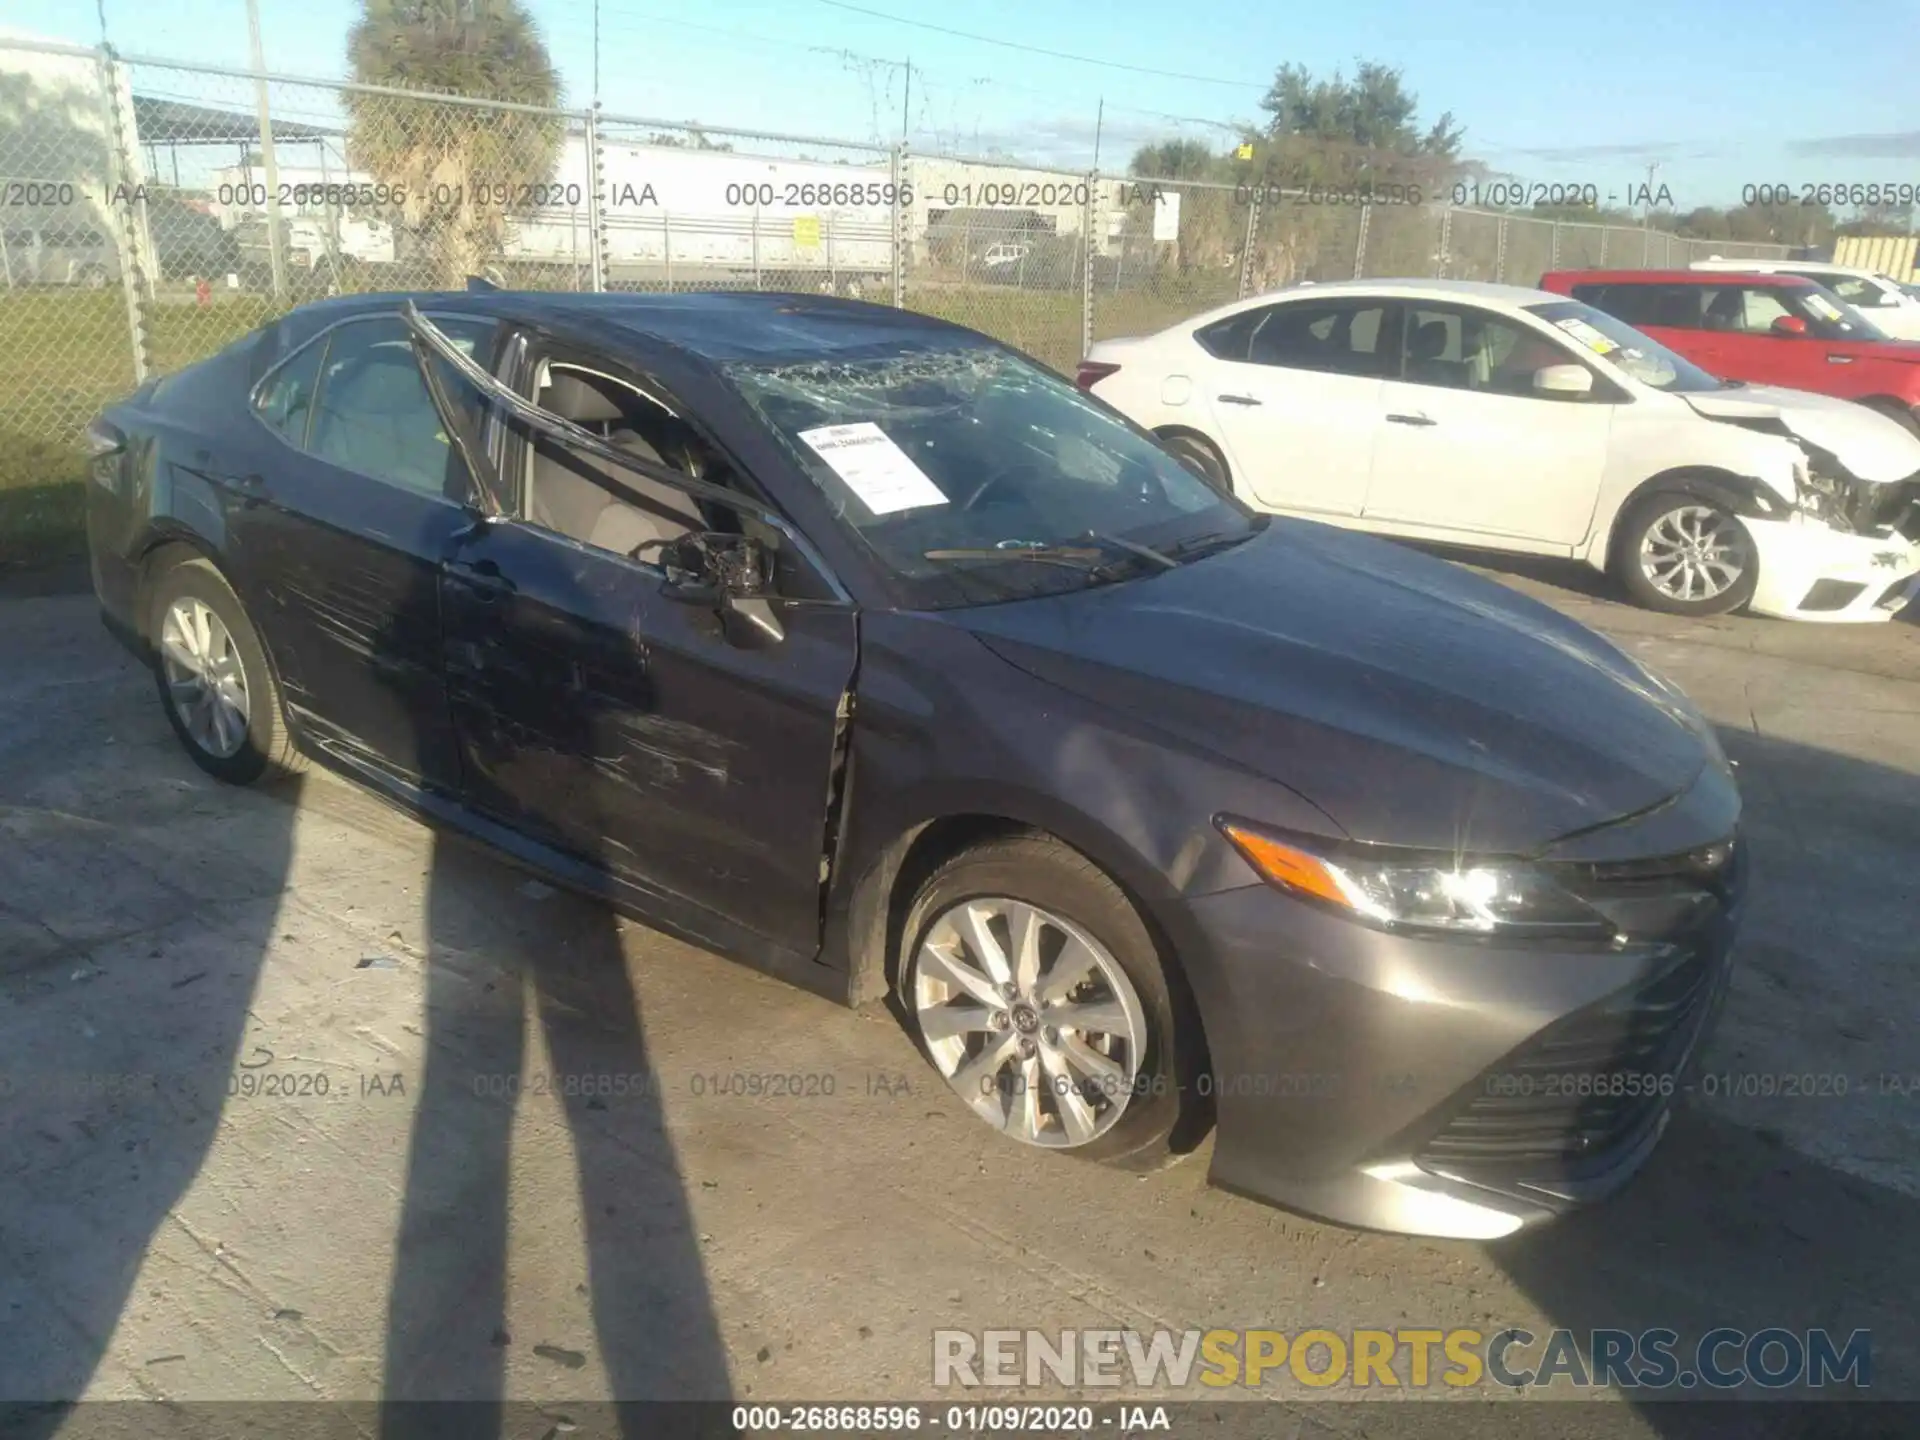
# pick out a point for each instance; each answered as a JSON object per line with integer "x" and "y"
{"x": 902, "y": 212}
{"x": 121, "y": 162}
{"x": 1086, "y": 261}
{"x": 276, "y": 237}
{"x": 596, "y": 213}
{"x": 1604, "y": 229}
{"x": 1500, "y": 250}
{"x": 1553, "y": 249}
{"x": 1446, "y": 240}
{"x": 1246, "y": 252}
{"x": 1360, "y": 246}
{"x": 666, "y": 244}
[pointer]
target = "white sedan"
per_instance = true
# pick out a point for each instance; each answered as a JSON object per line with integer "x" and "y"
{"x": 1507, "y": 418}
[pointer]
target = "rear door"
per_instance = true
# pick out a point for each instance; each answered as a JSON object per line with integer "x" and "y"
{"x": 1469, "y": 447}
{"x": 1294, "y": 389}
{"x": 599, "y": 709}
{"x": 354, "y": 500}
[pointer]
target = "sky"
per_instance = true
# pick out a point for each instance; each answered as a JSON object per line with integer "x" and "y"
{"x": 1721, "y": 94}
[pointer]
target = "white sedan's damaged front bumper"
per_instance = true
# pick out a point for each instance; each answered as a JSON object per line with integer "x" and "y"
{"x": 1810, "y": 571}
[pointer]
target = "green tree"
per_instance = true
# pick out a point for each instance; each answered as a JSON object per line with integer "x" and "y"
{"x": 458, "y": 164}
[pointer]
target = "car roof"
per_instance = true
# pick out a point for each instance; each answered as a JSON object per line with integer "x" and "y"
{"x": 716, "y": 325}
{"x": 1792, "y": 267}
{"x": 1484, "y": 291}
{"x": 1672, "y": 277}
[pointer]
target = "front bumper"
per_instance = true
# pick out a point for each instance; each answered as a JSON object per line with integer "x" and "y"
{"x": 1809, "y": 571}
{"x": 1443, "y": 1087}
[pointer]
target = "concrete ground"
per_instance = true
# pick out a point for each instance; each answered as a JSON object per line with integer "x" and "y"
{"x": 315, "y": 984}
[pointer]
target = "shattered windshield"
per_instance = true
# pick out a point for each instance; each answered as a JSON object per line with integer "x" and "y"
{"x": 962, "y": 466}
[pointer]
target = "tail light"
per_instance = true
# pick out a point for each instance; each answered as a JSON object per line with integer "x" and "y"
{"x": 1092, "y": 372}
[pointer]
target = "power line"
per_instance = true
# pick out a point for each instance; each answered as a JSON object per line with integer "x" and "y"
{"x": 1051, "y": 54}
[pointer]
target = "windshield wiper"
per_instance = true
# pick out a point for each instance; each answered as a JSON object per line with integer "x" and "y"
{"x": 1204, "y": 544}
{"x": 1074, "y": 559}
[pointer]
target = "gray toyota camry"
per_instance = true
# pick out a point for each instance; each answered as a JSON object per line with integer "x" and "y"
{"x": 859, "y": 647}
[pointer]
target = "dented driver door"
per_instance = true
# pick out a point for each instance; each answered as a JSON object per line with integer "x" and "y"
{"x": 631, "y": 729}
{"x": 605, "y": 711}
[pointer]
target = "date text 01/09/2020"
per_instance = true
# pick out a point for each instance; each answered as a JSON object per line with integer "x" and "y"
{"x": 969, "y": 1420}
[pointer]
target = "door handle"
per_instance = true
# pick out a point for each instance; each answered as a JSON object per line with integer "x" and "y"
{"x": 483, "y": 577}
{"x": 1839, "y": 359}
{"x": 1410, "y": 420}
{"x": 1239, "y": 400}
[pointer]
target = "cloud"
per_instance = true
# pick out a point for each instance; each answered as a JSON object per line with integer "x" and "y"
{"x": 1900, "y": 145}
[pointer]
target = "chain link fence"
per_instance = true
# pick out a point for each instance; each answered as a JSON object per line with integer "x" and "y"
{"x": 157, "y": 209}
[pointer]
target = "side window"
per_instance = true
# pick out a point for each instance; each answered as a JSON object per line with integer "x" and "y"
{"x": 1334, "y": 338}
{"x": 1854, "y": 289}
{"x": 285, "y": 402}
{"x": 1475, "y": 350}
{"x": 1761, "y": 307}
{"x": 372, "y": 414}
{"x": 1228, "y": 339}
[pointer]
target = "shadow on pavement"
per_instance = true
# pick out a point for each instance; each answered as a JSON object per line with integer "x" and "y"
{"x": 137, "y": 901}
{"x": 1737, "y": 1221}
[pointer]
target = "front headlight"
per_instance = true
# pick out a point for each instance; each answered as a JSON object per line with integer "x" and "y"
{"x": 1408, "y": 890}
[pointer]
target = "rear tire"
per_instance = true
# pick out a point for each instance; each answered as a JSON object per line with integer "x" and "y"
{"x": 1671, "y": 543}
{"x": 1201, "y": 457}
{"x": 1116, "y": 1087}
{"x": 216, "y": 686}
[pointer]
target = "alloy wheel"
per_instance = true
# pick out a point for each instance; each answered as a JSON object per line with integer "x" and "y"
{"x": 206, "y": 681}
{"x": 1693, "y": 553}
{"x": 1031, "y": 1020}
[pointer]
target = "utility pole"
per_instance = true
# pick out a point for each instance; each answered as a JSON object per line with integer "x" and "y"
{"x": 276, "y": 251}
{"x": 1099, "y": 120}
{"x": 906, "y": 94}
{"x": 596, "y": 52}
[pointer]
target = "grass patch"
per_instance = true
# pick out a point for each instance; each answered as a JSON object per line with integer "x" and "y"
{"x": 65, "y": 356}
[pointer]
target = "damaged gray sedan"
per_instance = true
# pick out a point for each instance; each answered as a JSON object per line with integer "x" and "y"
{"x": 862, "y": 649}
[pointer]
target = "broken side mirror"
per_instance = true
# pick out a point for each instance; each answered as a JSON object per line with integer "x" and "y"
{"x": 732, "y": 574}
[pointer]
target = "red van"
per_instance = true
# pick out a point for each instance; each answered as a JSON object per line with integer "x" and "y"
{"x": 1766, "y": 329}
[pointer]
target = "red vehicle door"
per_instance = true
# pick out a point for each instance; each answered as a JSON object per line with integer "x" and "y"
{"x": 1741, "y": 321}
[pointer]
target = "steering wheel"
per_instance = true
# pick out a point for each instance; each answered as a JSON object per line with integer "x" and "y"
{"x": 996, "y": 479}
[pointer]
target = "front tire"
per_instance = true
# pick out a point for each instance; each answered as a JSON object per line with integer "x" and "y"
{"x": 1033, "y": 986}
{"x": 1685, "y": 555}
{"x": 216, "y": 686}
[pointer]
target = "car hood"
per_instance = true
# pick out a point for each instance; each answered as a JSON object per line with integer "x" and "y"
{"x": 1868, "y": 444}
{"x": 1412, "y": 701}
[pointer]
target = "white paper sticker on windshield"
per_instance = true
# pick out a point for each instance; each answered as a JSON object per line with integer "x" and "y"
{"x": 1588, "y": 336}
{"x": 877, "y": 470}
{"x": 1821, "y": 306}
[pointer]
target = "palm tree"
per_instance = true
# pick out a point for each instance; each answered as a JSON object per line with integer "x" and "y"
{"x": 465, "y": 170}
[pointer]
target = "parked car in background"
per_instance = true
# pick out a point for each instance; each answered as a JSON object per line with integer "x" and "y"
{"x": 1514, "y": 419}
{"x": 1764, "y": 329}
{"x": 1893, "y": 307}
{"x": 855, "y": 645}
{"x": 58, "y": 252}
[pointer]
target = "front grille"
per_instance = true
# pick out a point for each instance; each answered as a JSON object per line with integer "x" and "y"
{"x": 1595, "y": 1082}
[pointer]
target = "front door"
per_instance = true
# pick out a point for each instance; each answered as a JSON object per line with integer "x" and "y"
{"x": 603, "y": 711}
{"x": 1468, "y": 448}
